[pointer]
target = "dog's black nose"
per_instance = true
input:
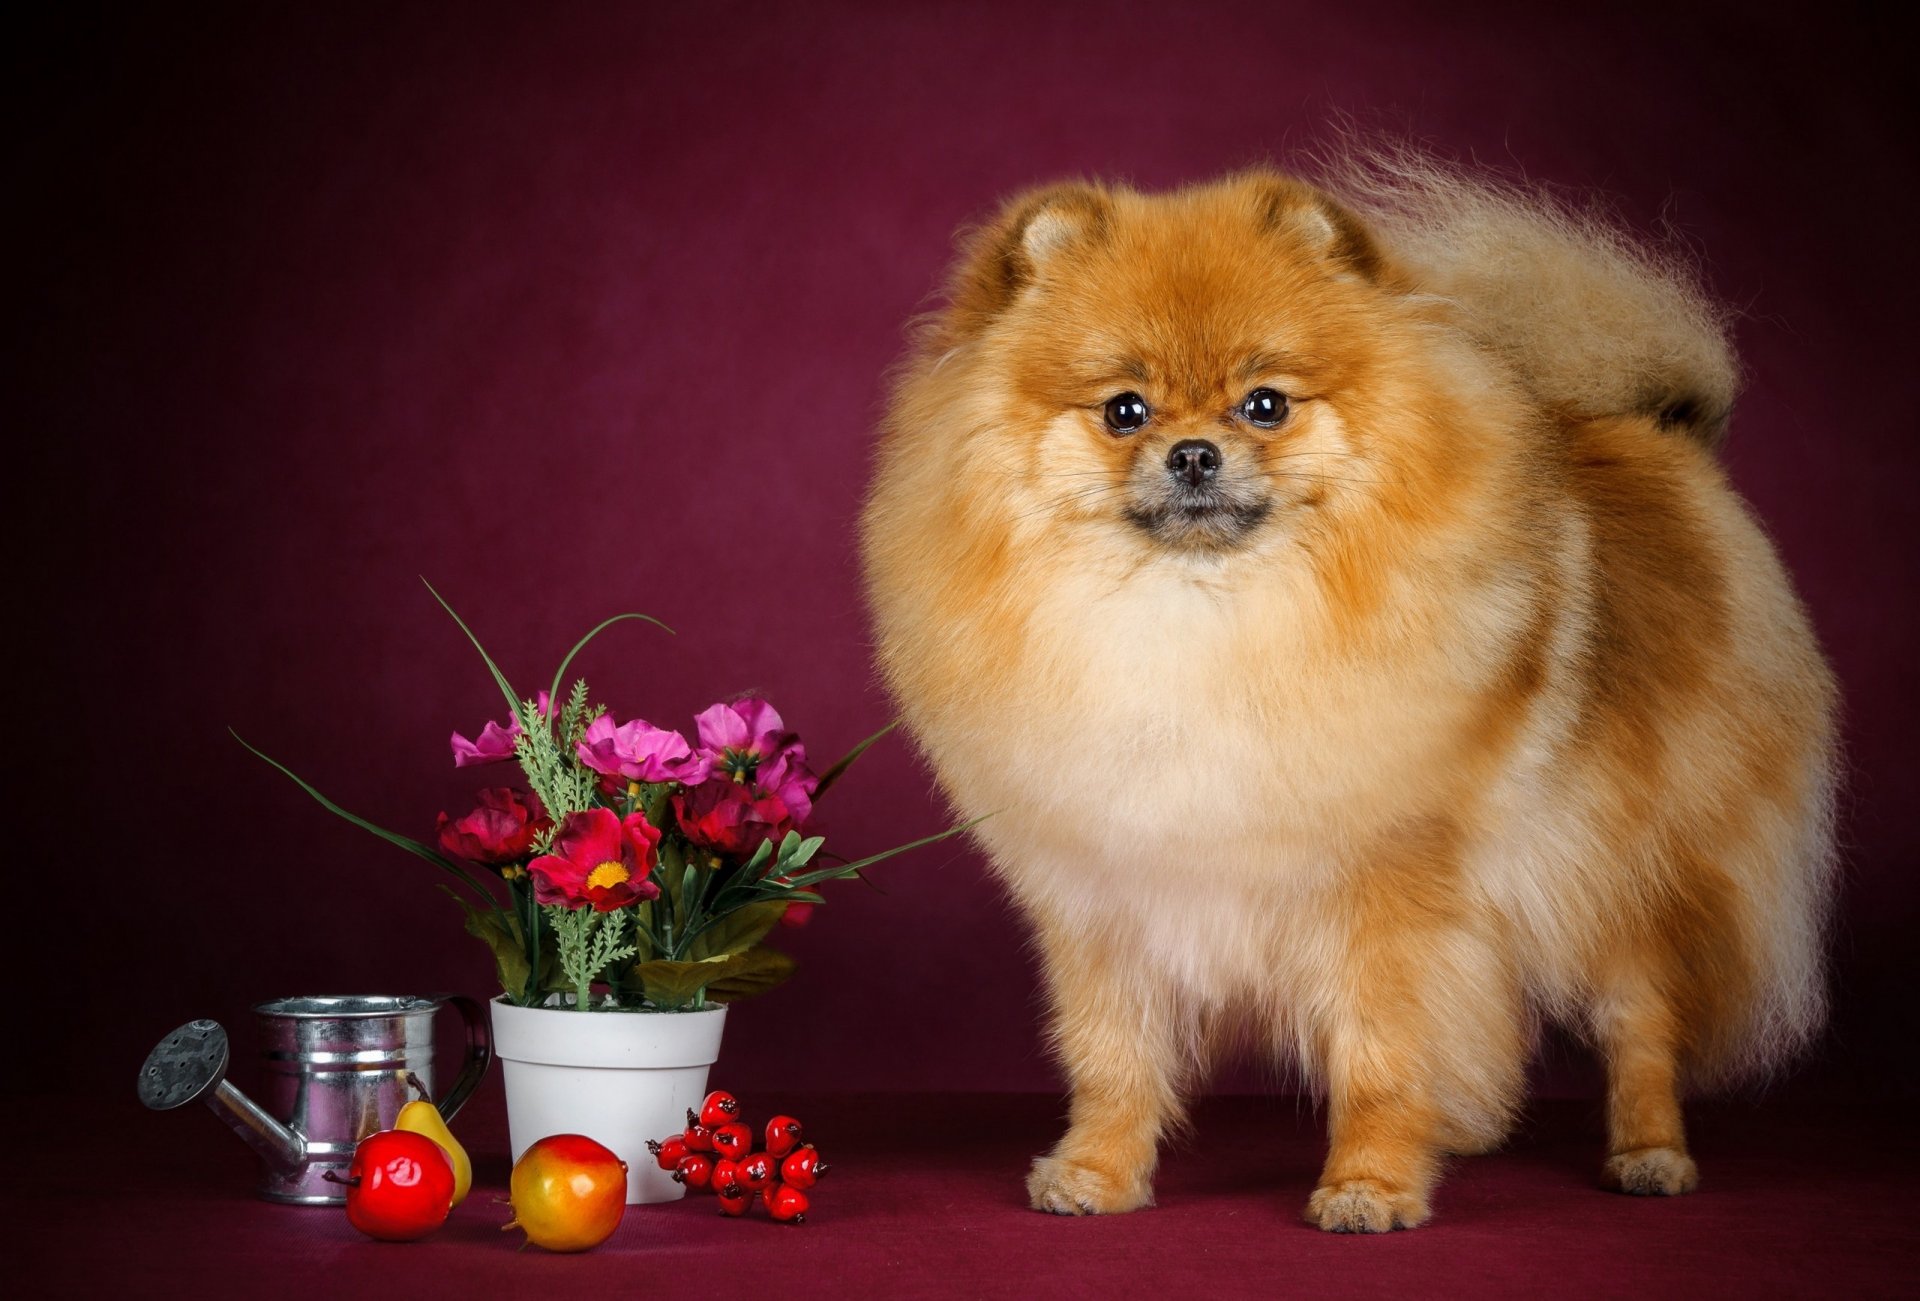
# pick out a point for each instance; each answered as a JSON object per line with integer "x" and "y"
{"x": 1193, "y": 459}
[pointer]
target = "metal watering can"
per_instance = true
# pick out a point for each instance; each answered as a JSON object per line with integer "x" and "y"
{"x": 337, "y": 1071}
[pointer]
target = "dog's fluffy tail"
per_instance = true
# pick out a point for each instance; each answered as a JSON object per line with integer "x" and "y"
{"x": 1594, "y": 322}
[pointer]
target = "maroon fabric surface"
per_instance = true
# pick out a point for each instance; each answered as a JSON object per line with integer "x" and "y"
{"x": 578, "y": 309}
{"x": 925, "y": 1201}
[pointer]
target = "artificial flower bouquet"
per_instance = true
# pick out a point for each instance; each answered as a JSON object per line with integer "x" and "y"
{"x": 633, "y": 859}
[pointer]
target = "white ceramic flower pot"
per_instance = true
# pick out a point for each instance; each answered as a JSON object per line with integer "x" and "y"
{"x": 620, "y": 1078}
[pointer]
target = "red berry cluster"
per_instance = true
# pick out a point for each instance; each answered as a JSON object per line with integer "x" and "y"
{"x": 716, "y": 1154}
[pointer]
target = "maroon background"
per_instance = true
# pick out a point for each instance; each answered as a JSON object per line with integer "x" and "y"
{"x": 588, "y": 309}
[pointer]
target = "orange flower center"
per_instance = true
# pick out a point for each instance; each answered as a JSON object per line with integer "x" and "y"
{"x": 608, "y": 875}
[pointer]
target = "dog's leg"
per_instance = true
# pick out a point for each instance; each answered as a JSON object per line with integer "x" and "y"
{"x": 1383, "y": 1151}
{"x": 1419, "y": 1034}
{"x": 1115, "y": 1032}
{"x": 1646, "y": 1142}
{"x": 1383, "y": 1156}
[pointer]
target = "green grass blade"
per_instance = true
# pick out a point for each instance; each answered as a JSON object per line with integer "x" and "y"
{"x": 787, "y": 896}
{"x": 853, "y": 869}
{"x": 393, "y": 838}
{"x": 561, "y": 673}
{"x": 846, "y": 761}
{"x": 506, "y": 688}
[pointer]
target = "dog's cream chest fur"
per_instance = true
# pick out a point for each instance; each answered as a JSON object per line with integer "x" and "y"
{"x": 1189, "y": 749}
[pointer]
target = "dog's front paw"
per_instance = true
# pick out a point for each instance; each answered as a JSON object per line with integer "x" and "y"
{"x": 1062, "y": 1187}
{"x": 1651, "y": 1172}
{"x": 1364, "y": 1206}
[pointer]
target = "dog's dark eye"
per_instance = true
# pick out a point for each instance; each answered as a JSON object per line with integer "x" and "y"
{"x": 1264, "y": 407}
{"x": 1126, "y": 413}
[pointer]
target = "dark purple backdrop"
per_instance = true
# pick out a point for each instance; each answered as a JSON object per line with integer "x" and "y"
{"x": 588, "y": 309}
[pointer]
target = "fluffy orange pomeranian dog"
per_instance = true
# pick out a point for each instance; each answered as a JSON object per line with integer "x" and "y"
{"x": 1331, "y": 592}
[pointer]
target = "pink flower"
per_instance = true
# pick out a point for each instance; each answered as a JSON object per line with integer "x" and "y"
{"x": 749, "y": 744}
{"x": 600, "y": 860}
{"x": 788, "y": 777}
{"x": 498, "y": 832}
{"x": 495, "y": 743}
{"x": 744, "y": 731}
{"x": 639, "y": 751}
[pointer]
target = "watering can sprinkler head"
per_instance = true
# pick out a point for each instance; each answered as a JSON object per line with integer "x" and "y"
{"x": 338, "y": 1068}
{"x": 190, "y": 1065}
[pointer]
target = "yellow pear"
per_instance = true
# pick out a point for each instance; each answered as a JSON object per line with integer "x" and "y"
{"x": 423, "y": 1117}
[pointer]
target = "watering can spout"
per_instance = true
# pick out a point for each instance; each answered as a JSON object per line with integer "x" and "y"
{"x": 190, "y": 1065}
{"x": 338, "y": 1068}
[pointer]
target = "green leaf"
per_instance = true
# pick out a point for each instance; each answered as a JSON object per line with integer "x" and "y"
{"x": 500, "y": 932}
{"x": 407, "y": 843}
{"x": 734, "y": 975}
{"x": 760, "y": 969}
{"x": 794, "y": 852}
{"x": 846, "y": 760}
{"x": 760, "y": 856}
{"x": 653, "y": 802}
{"x": 602, "y": 626}
{"x": 513, "y": 701}
{"x": 737, "y": 931}
{"x": 669, "y": 868}
{"x": 675, "y": 984}
{"x": 644, "y": 921}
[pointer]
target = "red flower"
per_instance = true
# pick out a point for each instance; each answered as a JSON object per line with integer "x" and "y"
{"x": 600, "y": 860}
{"x": 499, "y": 831}
{"x": 732, "y": 817}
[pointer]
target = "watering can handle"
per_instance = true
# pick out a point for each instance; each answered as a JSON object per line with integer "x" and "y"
{"x": 479, "y": 1053}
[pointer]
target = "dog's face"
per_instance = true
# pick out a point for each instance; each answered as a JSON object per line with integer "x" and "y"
{"x": 1176, "y": 372}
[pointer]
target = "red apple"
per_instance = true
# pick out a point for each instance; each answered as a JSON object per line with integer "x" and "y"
{"x": 399, "y": 1186}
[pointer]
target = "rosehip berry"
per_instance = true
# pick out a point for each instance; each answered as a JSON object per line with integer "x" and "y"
{"x": 699, "y": 1137}
{"x": 783, "y": 1134}
{"x": 719, "y": 1108}
{"x": 733, "y": 1140}
{"x": 787, "y": 1204}
{"x": 668, "y": 1151}
{"x": 756, "y": 1171}
{"x": 725, "y": 1177}
{"x": 695, "y": 1170}
{"x": 803, "y": 1167}
{"x": 730, "y": 1205}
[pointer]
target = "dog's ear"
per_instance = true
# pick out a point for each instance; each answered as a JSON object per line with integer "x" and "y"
{"x": 1319, "y": 224}
{"x": 1002, "y": 258}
